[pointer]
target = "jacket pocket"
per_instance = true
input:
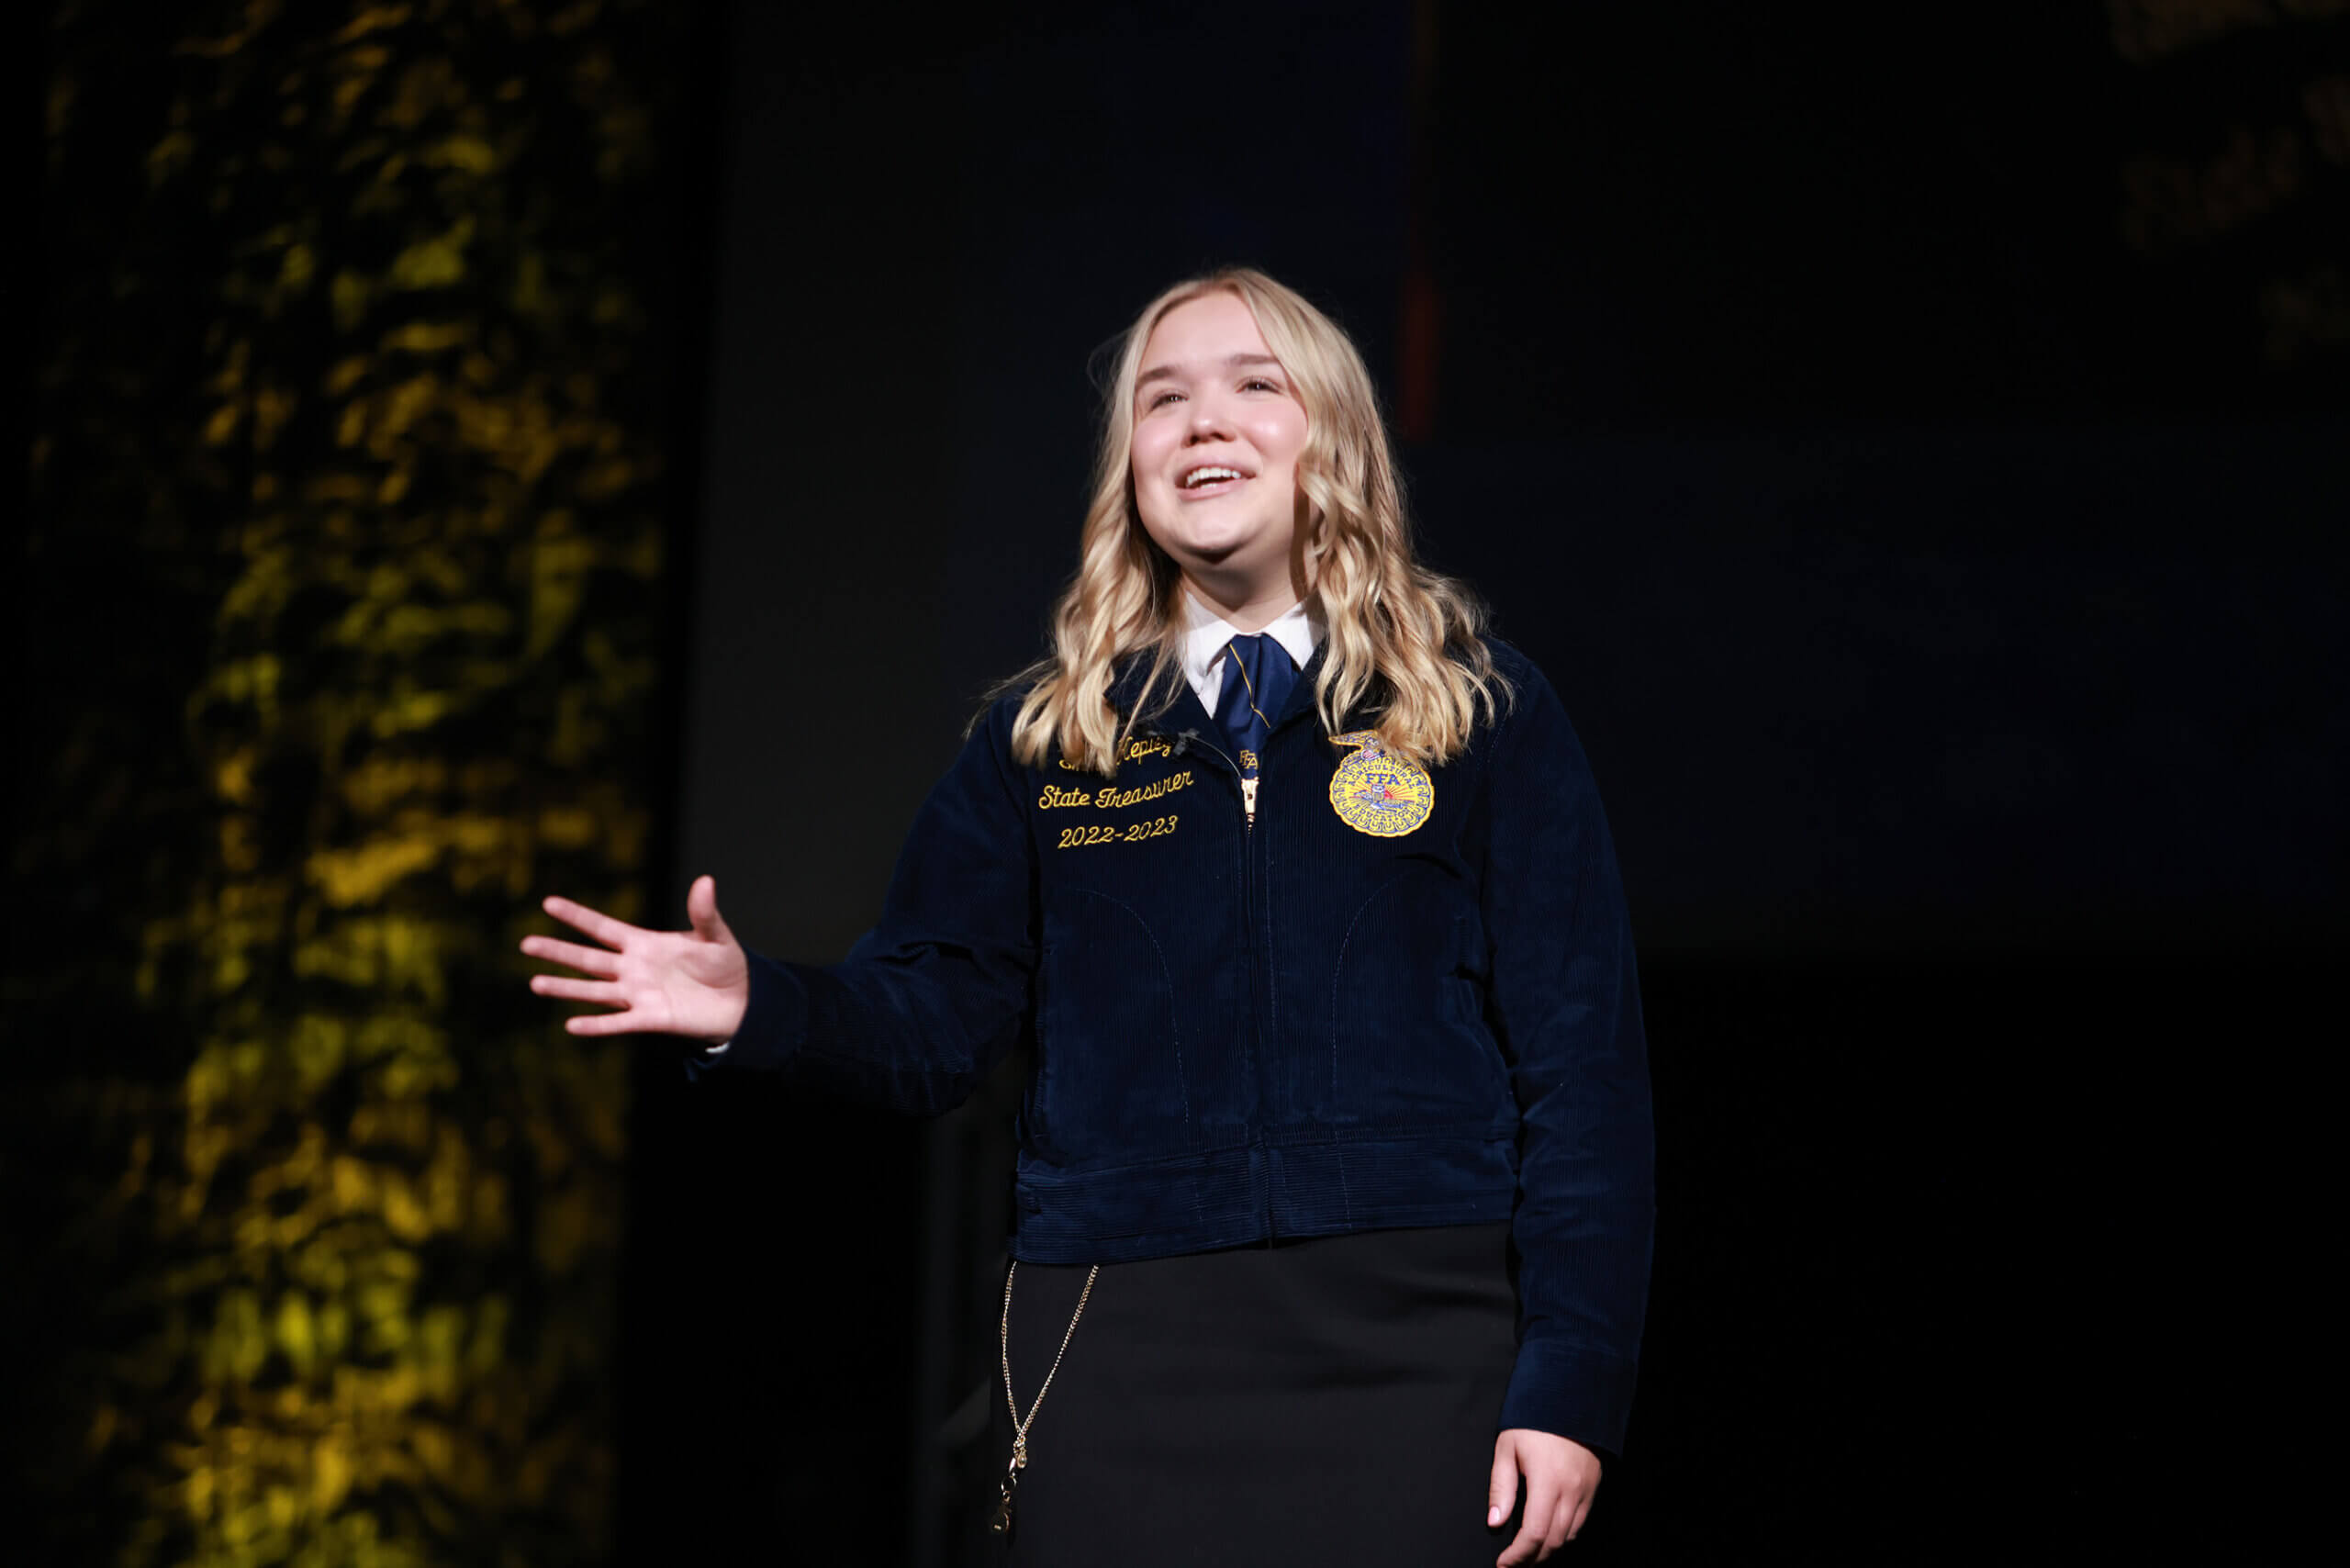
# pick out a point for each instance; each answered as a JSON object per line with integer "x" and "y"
{"x": 1110, "y": 1080}
{"x": 1409, "y": 1046}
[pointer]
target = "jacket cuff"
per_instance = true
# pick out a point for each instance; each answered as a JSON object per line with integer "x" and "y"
{"x": 1573, "y": 1393}
{"x": 774, "y": 1026}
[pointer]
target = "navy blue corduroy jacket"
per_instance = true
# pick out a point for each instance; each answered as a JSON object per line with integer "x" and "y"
{"x": 1284, "y": 1027}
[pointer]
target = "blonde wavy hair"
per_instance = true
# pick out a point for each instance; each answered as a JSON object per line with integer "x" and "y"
{"x": 1404, "y": 640}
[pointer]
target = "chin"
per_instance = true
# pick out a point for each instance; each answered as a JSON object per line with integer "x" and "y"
{"x": 1222, "y": 543}
{"x": 1219, "y": 556}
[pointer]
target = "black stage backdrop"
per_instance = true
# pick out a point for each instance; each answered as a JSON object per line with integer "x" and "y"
{"x": 1912, "y": 440}
{"x": 1913, "y": 444}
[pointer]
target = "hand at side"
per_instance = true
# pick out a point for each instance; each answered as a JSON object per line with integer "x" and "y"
{"x": 1561, "y": 1476}
{"x": 694, "y": 982}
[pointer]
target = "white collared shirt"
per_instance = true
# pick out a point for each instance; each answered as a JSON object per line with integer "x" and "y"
{"x": 1206, "y": 634}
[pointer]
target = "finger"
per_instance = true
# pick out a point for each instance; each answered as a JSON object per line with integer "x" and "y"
{"x": 1580, "y": 1512}
{"x": 602, "y": 927}
{"x": 625, "y": 1022}
{"x": 701, "y": 910}
{"x": 578, "y": 990}
{"x": 593, "y": 961}
{"x": 1541, "y": 1504}
{"x": 1561, "y": 1516}
{"x": 1501, "y": 1490}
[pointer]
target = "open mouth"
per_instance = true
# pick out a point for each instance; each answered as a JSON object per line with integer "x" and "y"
{"x": 1210, "y": 478}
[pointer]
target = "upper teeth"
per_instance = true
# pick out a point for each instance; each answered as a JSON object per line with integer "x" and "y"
{"x": 1207, "y": 476}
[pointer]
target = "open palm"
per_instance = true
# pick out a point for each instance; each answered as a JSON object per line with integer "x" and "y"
{"x": 694, "y": 982}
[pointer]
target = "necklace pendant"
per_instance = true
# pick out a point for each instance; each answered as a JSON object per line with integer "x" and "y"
{"x": 1001, "y": 1523}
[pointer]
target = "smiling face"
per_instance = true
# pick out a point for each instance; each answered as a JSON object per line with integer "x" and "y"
{"x": 1217, "y": 432}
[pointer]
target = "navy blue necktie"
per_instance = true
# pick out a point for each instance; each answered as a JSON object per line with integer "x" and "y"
{"x": 1256, "y": 678}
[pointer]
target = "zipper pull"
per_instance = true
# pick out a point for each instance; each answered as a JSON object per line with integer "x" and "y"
{"x": 1249, "y": 798}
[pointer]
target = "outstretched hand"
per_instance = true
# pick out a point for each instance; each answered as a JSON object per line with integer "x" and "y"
{"x": 1561, "y": 1476}
{"x": 694, "y": 982}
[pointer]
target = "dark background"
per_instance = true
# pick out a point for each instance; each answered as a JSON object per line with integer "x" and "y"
{"x": 1938, "y": 553}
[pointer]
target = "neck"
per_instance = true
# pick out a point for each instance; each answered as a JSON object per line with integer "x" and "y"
{"x": 1248, "y": 605}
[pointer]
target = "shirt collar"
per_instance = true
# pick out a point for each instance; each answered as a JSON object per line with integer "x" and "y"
{"x": 1298, "y": 630}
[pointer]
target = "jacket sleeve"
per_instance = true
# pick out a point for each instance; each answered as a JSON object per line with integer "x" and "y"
{"x": 933, "y": 996}
{"x": 1565, "y": 1001}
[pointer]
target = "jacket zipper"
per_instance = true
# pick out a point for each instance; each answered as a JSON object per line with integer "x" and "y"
{"x": 1248, "y": 937}
{"x": 1248, "y": 933}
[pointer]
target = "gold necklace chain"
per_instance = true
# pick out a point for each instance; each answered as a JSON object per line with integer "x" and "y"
{"x": 1002, "y": 1522}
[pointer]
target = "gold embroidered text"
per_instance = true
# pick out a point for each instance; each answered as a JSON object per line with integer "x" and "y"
{"x": 1111, "y": 833}
{"x": 1111, "y": 798}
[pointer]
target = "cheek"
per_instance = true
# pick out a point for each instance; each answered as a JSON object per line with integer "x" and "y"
{"x": 1149, "y": 455}
{"x": 1149, "y": 504}
{"x": 1281, "y": 437}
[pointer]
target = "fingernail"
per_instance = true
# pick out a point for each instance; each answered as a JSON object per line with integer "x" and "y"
{"x": 1494, "y": 1515}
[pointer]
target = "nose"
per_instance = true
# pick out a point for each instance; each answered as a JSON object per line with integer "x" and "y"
{"x": 1209, "y": 421}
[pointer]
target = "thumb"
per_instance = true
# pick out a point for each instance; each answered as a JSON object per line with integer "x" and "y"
{"x": 701, "y": 909}
{"x": 1501, "y": 1491}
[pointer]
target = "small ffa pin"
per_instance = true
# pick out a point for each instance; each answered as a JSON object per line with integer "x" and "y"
{"x": 1378, "y": 794}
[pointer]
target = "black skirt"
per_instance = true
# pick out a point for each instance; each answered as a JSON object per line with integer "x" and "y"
{"x": 1325, "y": 1400}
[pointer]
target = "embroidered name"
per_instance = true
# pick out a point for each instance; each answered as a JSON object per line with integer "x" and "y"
{"x": 1136, "y": 748}
{"x": 1054, "y": 795}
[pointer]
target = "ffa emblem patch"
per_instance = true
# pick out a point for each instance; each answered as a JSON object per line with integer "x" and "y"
{"x": 1378, "y": 794}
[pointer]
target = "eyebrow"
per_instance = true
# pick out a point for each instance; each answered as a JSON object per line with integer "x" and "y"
{"x": 1168, "y": 372}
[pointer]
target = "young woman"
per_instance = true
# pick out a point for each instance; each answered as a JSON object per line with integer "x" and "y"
{"x": 1334, "y": 1197}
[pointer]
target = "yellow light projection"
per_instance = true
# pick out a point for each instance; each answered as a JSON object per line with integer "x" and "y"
{"x": 354, "y": 377}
